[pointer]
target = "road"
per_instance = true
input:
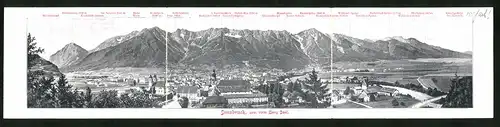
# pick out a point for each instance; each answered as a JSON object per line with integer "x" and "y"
{"x": 360, "y": 104}
{"x": 417, "y": 95}
{"x": 418, "y": 105}
{"x": 420, "y": 82}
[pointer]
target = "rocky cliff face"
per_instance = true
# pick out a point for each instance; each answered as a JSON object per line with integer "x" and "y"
{"x": 281, "y": 49}
{"x": 68, "y": 55}
{"x": 147, "y": 48}
{"x": 152, "y": 47}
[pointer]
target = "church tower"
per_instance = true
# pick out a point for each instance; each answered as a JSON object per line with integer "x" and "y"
{"x": 214, "y": 76}
{"x": 213, "y": 91}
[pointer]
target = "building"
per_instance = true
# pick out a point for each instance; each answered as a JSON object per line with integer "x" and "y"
{"x": 292, "y": 97}
{"x": 142, "y": 80}
{"x": 336, "y": 95}
{"x": 160, "y": 89}
{"x": 389, "y": 91}
{"x": 191, "y": 92}
{"x": 102, "y": 85}
{"x": 227, "y": 87}
{"x": 254, "y": 98}
{"x": 215, "y": 102}
{"x": 172, "y": 103}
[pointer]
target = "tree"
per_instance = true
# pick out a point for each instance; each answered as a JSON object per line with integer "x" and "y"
{"x": 460, "y": 94}
{"x": 396, "y": 83}
{"x": 316, "y": 91}
{"x": 106, "y": 99}
{"x": 41, "y": 94}
{"x": 139, "y": 99}
{"x": 395, "y": 102}
{"x": 293, "y": 86}
{"x": 33, "y": 50}
{"x": 184, "y": 102}
{"x": 63, "y": 94}
{"x": 88, "y": 96}
{"x": 37, "y": 85}
{"x": 275, "y": 93}
{"x": 347, "y": 90}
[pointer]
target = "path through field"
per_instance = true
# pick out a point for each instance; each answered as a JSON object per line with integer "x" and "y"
{"x": 418, "y": 105}
{"x": 417, "y": 95}
{"x": 360, "y": 104}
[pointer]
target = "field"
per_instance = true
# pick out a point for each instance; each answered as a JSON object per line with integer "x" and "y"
{"x": 443, "y": 82}
{"x": 79, "y": 79}
{"x": 386, "y": 102}
{"x": 341, "y": 86}
{"x": 349, "y": 105}
{"x": 431, "y": 66}
{"x": 407, "y": 71}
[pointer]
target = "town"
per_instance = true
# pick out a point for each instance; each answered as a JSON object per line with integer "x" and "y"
{"x": 243, "y": 86}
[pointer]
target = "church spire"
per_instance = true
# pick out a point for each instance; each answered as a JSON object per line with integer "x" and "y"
{"x": 214, "y": 75}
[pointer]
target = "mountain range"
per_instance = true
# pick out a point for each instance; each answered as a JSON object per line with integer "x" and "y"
{"x": 282, "y": 49}
{"x": 223, "y": 46}
{"x": 145, "y": 48}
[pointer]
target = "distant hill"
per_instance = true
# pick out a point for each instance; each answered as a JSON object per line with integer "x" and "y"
{"x": 68, "y": 55}
{"x": 151, "y": 47}
{"x": 146, "y": 48}
{"x": 47, "y": 67}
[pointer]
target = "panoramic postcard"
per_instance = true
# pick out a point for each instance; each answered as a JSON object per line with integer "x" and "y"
{"x": 251, "y": 58}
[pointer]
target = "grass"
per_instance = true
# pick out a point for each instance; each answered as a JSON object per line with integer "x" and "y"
{"x": 349, "y": 105}
{"x": 443, "y": 82}
{"x": 341, "y": 85}
{"x": 386, "y": 102}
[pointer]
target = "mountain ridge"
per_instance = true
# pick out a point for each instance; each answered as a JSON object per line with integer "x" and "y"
{"x": 70, "y": 54}
{"x": 268, "y": 48}
{"x": 316, "y": 46}
{"x": 145, "y": 49}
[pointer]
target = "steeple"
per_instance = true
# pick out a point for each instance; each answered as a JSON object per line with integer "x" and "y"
{"x": 214, "y": 75}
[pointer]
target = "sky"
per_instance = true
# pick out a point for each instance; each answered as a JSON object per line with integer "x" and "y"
{"x": 257, "y": 22}
{"x": 53, "y": 34}
{"x": 452, "y": 33}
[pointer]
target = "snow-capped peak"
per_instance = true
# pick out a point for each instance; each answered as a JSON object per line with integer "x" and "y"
{"x": 369, "y": 40}
{"x": 398, "y": 38}
{"x": 232, "y": 35}
{"x": 119, "y": 39}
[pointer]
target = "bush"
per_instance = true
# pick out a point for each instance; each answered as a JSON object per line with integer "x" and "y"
{"x": 402, "y": 104}
{"x": 353, "y": 98}
{"x": 395, "y": 102}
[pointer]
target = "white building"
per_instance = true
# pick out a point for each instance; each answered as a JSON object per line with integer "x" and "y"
{"x": 191, "y": 92}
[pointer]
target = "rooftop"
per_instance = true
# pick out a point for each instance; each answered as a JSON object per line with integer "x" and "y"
{"x": 187, "y": 89}
{"x": 215, "y": 100}
{"x": 373, "y": 89}
{"x": 225, "y": 86}
{"x": 245, "y": 95}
